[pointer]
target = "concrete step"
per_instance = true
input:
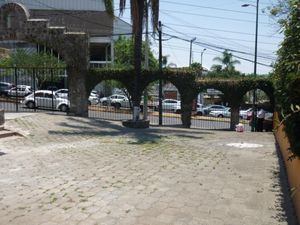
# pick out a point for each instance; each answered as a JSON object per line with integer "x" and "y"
{"x": 7, "y": 133}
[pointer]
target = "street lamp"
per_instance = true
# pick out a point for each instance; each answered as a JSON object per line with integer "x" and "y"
{"x": 191, "y": 47}
{"x": 255, "y": 64}
{"x": 202, "y": 56}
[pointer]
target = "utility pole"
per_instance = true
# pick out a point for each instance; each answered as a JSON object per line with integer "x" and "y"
{"x": 253, "y": 125}
{"x": 160, "y": 70}
{"x": 191, "y": 50}
{"x": 145, "y": 104}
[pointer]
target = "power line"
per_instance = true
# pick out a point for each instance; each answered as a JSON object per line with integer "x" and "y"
{"x": 215, "y": 48}
{"x": 207, "y": 7}
{"x": 226, "y": 31}
{"x": 224, "y": 48}
{"x": 215, "y": 17}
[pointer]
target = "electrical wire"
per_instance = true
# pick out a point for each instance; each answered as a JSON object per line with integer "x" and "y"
{"x": 210, "y": 16}
{"x": 207, "y": 7}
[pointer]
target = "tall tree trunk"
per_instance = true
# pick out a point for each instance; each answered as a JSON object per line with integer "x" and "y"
{"x": 234, "y": 117}
{"x": 138, "y": 35}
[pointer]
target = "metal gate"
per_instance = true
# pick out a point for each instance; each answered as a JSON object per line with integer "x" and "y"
{"x": 30, "y": 89}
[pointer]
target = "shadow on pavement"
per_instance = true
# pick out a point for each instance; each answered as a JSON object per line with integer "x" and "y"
{"x": 96, "y": 127}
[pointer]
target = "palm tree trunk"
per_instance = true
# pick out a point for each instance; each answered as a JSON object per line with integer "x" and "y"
{"x": 138, "y": 35}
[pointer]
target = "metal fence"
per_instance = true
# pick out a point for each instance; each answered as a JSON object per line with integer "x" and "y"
{"x": 114, "y": 104}
{"x": 31, "y": 89}
{"x": 169, "y": 117}
{"x": 36, "y": 89}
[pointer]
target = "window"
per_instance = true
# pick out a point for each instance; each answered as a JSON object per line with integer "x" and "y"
{"x": 39, "y": 94}
{"x": 8, "y": 21}
{"x": 47, "y": 95}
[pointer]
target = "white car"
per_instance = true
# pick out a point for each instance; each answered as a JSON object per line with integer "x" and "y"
{"x": 221, "y": 113}
{"x": 210, "y": 108}
{"x": 20, "y": 90}
{"x": 170, "y": 105}
{"x": 46, "y": 99}
{"x": 116, "y": 101}
{"x": 199, "y": 110}
{"x": 62, "y": 93}
{"x": 244, "y": 113}
{"x": 92, "y": 100}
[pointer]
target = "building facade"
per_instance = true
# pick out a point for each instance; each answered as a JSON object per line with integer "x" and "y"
{"x": 87, "y": 16}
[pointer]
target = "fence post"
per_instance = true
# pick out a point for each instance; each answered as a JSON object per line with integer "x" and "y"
{"x": 51, "y": 72}
{"x": 34, "y": 86}
{"x": 16, "y": 80}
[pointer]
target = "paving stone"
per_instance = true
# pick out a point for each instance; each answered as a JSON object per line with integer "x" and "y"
{"x": 71, "y": 170}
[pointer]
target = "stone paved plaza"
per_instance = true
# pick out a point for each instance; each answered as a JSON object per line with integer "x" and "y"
{"x": 80, "y": 171}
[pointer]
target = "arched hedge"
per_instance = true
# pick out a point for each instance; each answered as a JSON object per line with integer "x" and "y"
{"x": 188, "y": 86}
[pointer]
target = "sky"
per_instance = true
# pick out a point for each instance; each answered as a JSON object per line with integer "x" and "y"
{"x": 217, "y": 25}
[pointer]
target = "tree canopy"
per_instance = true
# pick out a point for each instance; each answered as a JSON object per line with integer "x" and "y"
{"x": 227, "y": 62}
{"x": 287, "y": 74}
{"x": 124, "y": 51}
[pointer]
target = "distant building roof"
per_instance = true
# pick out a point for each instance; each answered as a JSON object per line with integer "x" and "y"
{"x": 89, "y": 5}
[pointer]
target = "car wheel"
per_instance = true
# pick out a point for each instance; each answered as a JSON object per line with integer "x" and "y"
{"x": 199, "y": 113}
{"x": 30, "y": 105}
{"x": 105, "y": 103}
{"x": 220, "y": 116}
{"x": 178, "y": 111}
{"x": 117, "y": 105}
{"x": 89, "y": 102}
{"x": 64, "y": 108}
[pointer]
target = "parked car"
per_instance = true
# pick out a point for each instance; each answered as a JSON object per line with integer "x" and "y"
{"x": 170, "y": 105}
{"x": 115, "y": 100}
{"x": 20, "y": 90}
{"x": 210, "y": 108}
{"x": 62, "y": 93}
{"x": 4, "y": 87}
{"x": 221, "y": 113}
{"x": 244, "y": 114}
{"x": 199, "y": 110}
{"x": 46, "y": 99}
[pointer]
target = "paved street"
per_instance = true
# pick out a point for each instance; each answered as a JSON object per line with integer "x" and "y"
{"x": 80, "y": 171}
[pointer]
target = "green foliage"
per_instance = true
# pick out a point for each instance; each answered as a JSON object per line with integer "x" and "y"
{"x": 287, "y": 74}
{"x": 224, "y": 74}
{"x": 109, "y": 7}
{"x": 43, "y": 61}
{"x": 227, "y": 61}
{"x": 21, "y": 58}
{"x": 124, "y": 52}
{"x": 187, "y": 84}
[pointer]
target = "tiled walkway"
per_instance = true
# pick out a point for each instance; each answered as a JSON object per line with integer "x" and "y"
{"x": 68, "y": 170}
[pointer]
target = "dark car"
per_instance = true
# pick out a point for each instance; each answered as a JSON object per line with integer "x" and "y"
{"x": 4, "y": 87}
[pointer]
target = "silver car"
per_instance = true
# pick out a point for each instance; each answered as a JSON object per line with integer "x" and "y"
{"x": 46, "y": 99}
{"x": 20, "y": 90}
